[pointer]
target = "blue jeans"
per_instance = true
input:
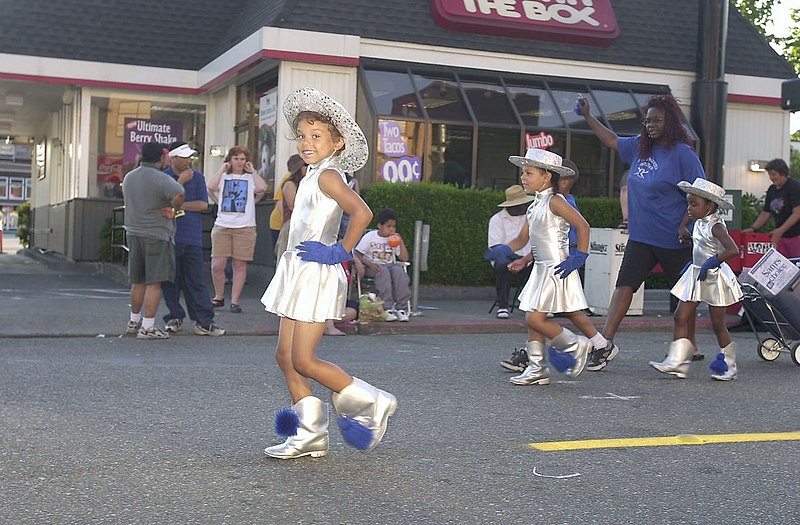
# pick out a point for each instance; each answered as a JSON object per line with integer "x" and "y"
{"x": 189, "y": 280}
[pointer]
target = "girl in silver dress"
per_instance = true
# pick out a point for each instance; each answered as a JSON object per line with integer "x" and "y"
{"x": 705, "y": 278}
{"x": 310, "y": 286}
{"x": 553, "y": 286}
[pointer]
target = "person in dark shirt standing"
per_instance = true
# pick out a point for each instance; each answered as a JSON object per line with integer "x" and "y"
{"x": 189, "y": 249}
{"x": 783, "y": 203}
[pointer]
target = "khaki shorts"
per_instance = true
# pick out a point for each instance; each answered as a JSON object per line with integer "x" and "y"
{"x": 239, "y": 243}
{"x": 150, "y": 261}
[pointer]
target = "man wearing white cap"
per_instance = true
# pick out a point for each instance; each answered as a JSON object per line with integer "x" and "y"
{"x": 189, "y": 249}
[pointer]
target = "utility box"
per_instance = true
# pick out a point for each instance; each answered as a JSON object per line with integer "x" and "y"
{"x": 606, "y": 248}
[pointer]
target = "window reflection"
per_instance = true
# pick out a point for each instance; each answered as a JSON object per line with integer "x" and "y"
{"x": 441, "y": 98}
{"x": 450, "y": 155}
{"x": 489, "y": 102}
{"x": 620, "y": 109}
{"x": 535, "y": 106}
{"x": 566, "y": 98}
{"x": 393, "y": 94}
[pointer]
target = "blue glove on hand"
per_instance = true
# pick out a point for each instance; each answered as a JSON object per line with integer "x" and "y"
{"x": 571, "y": 263}
{"x": 499, "y": 254}
{"x": 688, "y": 265}
{"x": 322, "y": 253}
{"x": 710, "y": 263}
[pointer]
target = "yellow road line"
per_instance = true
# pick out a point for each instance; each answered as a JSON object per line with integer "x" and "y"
{"x": 664, "y": 441}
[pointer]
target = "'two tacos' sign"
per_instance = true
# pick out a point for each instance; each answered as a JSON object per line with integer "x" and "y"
{"x": 587, "y": 22}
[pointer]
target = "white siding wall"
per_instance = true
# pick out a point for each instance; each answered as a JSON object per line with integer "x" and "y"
{"x": 753, "y": 132}
{"x": 336, "y": 81}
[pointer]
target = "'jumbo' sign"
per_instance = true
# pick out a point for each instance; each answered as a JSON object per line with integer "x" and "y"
{"x": 588, "y": 22}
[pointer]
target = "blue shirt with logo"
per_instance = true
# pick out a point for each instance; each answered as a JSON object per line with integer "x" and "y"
{"x": 189, "y": 227}
{"x": 655, "y": 203}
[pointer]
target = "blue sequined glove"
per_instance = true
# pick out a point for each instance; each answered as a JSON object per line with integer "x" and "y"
{"x": 688, "y": 265}
{"x": 322, "y": 253}
{"x": 499, "y": 254}
{"x": 710, "y": 263}
{"x": 571, "y": 263}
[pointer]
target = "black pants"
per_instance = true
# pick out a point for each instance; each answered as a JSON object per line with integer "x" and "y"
{"x": 502, "y": 282}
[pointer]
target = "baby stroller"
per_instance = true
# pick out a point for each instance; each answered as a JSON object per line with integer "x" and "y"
{"x": 778, "y": 313}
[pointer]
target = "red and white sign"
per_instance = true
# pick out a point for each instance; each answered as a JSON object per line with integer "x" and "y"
{"x": 587, "y": 22}
{"x": 541, "y": 141}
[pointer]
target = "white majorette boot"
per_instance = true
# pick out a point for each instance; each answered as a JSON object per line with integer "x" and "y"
{"x": 306, "y": 424}
{"x": 537, "y": 372}
{"x": 677, "y": 360}
{"x": 723, "y": 368}
{"x": 573, "y": 352}
{"x": 363, "y": 413}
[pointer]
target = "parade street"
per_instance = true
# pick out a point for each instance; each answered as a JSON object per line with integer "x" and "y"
{"x": 115, "y": 430}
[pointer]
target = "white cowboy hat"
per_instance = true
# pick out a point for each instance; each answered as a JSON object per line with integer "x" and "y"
{"x": 515, "y": 195}
{"x": 541, "y": 158}
{"x": 356, "y": 150}
{"x": 707, "y": 190}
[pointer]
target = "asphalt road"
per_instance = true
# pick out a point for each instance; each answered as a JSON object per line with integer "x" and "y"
{"x": 114, "y": 430}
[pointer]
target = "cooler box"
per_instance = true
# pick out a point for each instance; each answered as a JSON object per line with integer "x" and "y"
{"x": 606, "y": 248}
{"x": 753, "y": 247}
{"x": 777, "y": 279}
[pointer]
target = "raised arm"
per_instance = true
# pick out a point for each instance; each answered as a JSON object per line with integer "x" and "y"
{"x": 606, "y": 136}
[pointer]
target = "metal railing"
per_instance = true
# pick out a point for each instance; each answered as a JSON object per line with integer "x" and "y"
{"x": 119, "y": 241}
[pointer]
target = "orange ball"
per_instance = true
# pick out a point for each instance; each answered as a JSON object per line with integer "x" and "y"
{"x": 394, "y": 241}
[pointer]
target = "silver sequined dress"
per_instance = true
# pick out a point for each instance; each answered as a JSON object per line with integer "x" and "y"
{"x": 304, "y": 290}
{"x": 549, "y": 233}
{"x": 720, "y": 287}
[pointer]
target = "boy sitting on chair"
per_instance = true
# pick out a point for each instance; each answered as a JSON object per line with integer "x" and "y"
{"x": 380, "y": 250}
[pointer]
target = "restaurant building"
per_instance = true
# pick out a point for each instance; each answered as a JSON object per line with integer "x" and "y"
{"x": 445, "y": 90}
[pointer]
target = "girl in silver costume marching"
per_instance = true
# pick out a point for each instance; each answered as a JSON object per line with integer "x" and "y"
{"x": 705, "y": 278}
{"x": 553, "y": 286}
{"x": 310, "y": 285}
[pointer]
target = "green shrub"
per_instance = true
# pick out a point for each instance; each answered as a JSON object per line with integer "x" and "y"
{"x": 459, "y": 221}
{"x": 24, "y": 224}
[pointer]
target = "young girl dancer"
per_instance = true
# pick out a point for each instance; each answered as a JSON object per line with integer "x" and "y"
{"x": 553, "y": 285}
{"x": 705, "y": 278}
{"x": 310, "y": 286}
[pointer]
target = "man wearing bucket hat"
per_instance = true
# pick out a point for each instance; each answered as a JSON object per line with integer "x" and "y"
{"x": 706, "y": 278}
{"x": 503, "y": 227}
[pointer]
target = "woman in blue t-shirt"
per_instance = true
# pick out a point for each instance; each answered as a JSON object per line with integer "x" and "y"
{"x": 660, "y": 157}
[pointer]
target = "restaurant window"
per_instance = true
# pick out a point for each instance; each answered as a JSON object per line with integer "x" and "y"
{"x": 495, "y": 145}
{"x": 450, "y": 155}
{"x": 27, "y": 189}
{"x": 565, "y": 100}
{"x": 621, "y": 111}
{"x": 16, "y": 189}
{"x": 535, "y": 106}
{"x": 400, "y": 152}
{"x": 489, "y": 103}
{"x": 119, "y": 128}
{"x": 393, "y": 94}
{"x": 441, "y": 98}
{"x": 3, "y": 187}
{"x": 592, "y": 159}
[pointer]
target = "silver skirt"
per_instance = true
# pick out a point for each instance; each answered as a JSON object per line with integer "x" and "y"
{"x": 547, "y": 292}
{"x": 719, "y": 289}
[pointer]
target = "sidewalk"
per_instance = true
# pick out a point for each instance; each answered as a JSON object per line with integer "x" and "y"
{"x": 44, "y": 295}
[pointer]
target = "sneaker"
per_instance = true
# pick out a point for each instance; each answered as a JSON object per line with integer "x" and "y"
{"x": 152, "y": 333}
{"x": 212, "y": 329}
{"x": 389, "y": 316}
{"x": 518, "y": 361}
{"x": 173, "y": 326}
{"x": 599, "y": 357}
{"x": 133, "y": 327}
{"x": 402, "y": 316}
{"x": 502, "y": 313}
